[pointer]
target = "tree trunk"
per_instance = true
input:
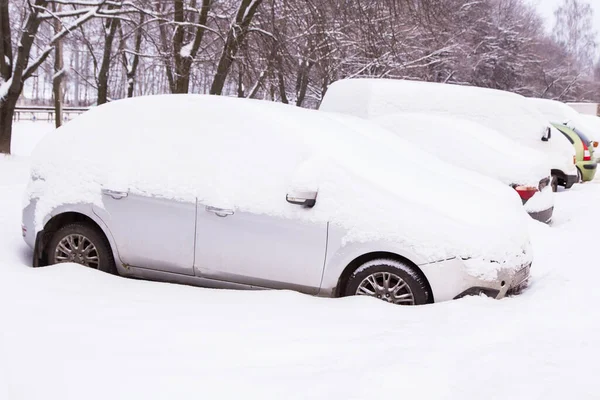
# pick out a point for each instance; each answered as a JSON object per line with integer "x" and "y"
{"x": 235, "y": 38}
{"x": 184, "y": 60}
{"x": 58, "y": 76}
{"x": 76, "y": 80}
{"x": 7, "y": 111}
{"x": 112, "y": 25}
{"x": 131, "y": 70}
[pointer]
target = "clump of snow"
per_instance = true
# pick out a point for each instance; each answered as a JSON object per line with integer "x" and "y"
{"x": 246, "y": 154}
{"x": 504, "y": 112}
{"x": 186, "y": 50}
{"x": 470, "y": 145}
{"x": 540, "y": 201}
{"x": 4, "y": 88}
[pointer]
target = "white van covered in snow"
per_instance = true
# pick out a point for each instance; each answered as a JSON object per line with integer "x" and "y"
{"x": 560, "y": 113}
{"x": 507, "y": 113}
{"x": 473, "y": 146}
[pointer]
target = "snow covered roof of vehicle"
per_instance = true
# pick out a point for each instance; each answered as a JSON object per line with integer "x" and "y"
{"x": 246, "y": 154}
{"x": 503, "y": 111}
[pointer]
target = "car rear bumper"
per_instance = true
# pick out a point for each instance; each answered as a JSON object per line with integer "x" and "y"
{"x": 588, "y": 170}
{"x": 569, "y": 181}
{"x": 541, "y": 206}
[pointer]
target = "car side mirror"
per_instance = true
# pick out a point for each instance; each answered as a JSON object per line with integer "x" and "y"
{"x": 306, "y": 199}
{"x": 547, "y": 135}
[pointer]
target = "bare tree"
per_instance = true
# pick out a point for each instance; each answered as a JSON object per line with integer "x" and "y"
{"x": 236, "y": 35}
{"x": 574, "y": 30}
{"x": 16, "y": 71}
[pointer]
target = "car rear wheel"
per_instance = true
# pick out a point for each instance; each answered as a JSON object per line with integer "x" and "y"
{"x": 82, "y": 244}
{"x": 579, "y": 176}
{"x": 388, "y": 280}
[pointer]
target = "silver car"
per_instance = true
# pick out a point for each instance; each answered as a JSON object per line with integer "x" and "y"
{"x": 305, "y": 244}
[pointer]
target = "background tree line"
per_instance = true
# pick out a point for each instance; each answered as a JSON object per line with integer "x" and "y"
{"x": 85, "y": 52}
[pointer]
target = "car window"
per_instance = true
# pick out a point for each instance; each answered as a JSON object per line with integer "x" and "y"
{"x": 582, "y": 136}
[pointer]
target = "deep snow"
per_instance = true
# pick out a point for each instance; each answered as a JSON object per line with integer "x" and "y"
{"x": 71, "y": 333}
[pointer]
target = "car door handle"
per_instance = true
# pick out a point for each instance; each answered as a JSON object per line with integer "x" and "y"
{"x": 115, "y": 194}
{"x": 221, "y": 212}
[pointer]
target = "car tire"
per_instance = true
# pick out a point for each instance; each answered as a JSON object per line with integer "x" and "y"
{"x": 579, "y": 175}
{"x": 82, "y": 244}
{"x": 554, "y": 184}
{"x": 389, "y": 280}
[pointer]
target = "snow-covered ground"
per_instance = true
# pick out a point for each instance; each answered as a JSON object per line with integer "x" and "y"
{"x": 67, "y": 332}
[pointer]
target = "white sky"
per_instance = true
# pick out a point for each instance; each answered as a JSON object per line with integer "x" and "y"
{"x": 547, "y": 8}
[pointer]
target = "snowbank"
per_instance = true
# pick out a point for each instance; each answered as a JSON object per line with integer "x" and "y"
{"x": 501, "y": 111}
{"x": 470, "y": 145}
{"x": 247, "y": 154}
{"x": 66, "y": 329}
{"x": 27, "y": 134}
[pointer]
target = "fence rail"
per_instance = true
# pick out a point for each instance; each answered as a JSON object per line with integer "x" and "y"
{"x": 44, "y": 113}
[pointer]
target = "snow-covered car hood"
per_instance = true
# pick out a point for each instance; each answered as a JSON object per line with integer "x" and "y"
{"x": 470, "y": 145}
{"x": 247, "y": 154}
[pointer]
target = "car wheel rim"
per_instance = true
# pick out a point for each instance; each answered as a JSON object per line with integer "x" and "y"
{"x": 77, "y": 249}
{"x": 387, "y": 287}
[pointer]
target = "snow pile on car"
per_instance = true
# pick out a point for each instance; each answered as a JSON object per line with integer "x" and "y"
{"x": 560, "y": 113}
{"x": 470, "y": 145}
{"x": 504, "y": 112}
{"x": 247, "y": 154}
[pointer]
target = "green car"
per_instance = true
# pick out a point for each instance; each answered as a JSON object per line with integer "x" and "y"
{"x": 584, "y": 152}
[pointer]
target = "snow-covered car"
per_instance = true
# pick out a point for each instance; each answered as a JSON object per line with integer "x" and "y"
{"x": 560, "y": 113}
{"x": 473, "y": 146}
{"x": 508, "y": 113}
{"x": 237, "y": 193}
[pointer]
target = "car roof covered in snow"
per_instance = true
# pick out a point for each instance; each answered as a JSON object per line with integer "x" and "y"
{"x": 247, "y": 154}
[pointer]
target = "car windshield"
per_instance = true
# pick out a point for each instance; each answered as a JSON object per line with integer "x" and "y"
{"x": 582, "y": 136}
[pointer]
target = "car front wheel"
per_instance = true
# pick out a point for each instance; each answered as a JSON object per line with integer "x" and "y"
{"x": 389, "y": 280}
{"x": 81, "y": 244}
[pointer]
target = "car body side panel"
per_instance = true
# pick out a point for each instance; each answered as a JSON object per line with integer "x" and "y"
{"x": 151, "y": 232}
{"x": 260, "y": 250}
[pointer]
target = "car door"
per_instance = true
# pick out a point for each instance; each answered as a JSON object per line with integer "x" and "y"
{"x": 150, "y": 232}
{"x": 260, "y": 250}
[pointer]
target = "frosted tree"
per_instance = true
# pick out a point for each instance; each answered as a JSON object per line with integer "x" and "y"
{"x": 574, "y": 30}
{"x": 16, "y": 63}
